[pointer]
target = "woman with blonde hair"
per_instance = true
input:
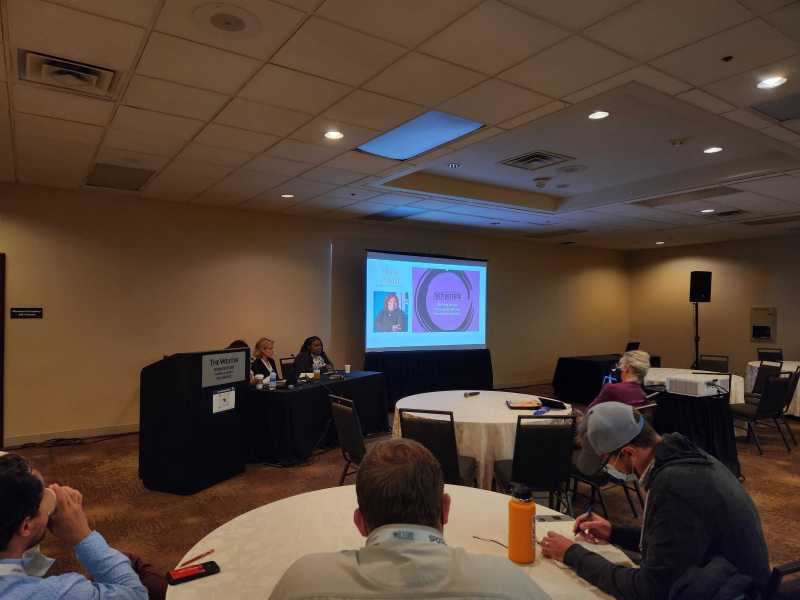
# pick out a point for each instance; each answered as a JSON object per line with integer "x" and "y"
{"x": 264, "y": 358}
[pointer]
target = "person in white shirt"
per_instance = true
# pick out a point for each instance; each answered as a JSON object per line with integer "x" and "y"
{"x": 402, "y": 510}
{"x": 264, "y": 358}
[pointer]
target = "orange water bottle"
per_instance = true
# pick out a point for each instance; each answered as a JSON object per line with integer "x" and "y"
{"x": 521, "y": 525}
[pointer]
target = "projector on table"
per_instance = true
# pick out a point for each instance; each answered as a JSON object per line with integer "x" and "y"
{"x": 698, "y": 386}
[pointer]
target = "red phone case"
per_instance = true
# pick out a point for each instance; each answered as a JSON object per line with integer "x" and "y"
{"x": 192, "y": 572}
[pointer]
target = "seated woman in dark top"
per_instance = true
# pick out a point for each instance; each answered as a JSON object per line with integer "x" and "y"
{"x": 264, "y": 358}
{"x": 312, "y": 355}
{"x": 633, "y": 368}
{"x": 391, "y": 318}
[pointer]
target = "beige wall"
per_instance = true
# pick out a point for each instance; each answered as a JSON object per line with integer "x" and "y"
{"x": 745, "y": 274}
{"x": 124, "y": 281}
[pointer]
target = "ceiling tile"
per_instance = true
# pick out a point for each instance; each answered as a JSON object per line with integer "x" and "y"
{"x": 653, "y": 27}
{"x": 782, "y": 187}
{"x": 532, "y": 115}
{"x": 183, "y": 179}
{"x": 326, "y": 174}
{"x": 148, "y": 121}
{"x": 130, "y": 158}
{"x": 40, "y": 100}
{"x": 139, "y": 12}
{"x": 706, "y": 101}
{"x": 742, "y": 89}
{"x": 308, "y": 6}
{"x": 145, "y": 142}
{"x": 335, "y": 52}
{"x": 274, "y": 23}
{"x": 186, "y": 62}
{"x": 409, "y": 22}
{"x": 794, "y": 125}
{"x": 365, "y": 207}
{"x": 373, "y": 110}
{"x": 567, "y": 67}
{"x": 244, "y": 184}
{"x": 759, "y": 204}
{"x": 430, "y": 204}
{"x": 33, "y": 127}
{"x": 748, "y": 119}
{"x": 423, "y": 79}
{"x": 642, "y": 74}
{"x": 573, "y": 14}
{"x": 782, "y": 134}
{"x": 361, "y": 162}
{"x": 352, "y": 193}
{"x": 493, "y": 101}
{"x": 59, "y": 31}
{"x": 395, "y": 199}
{"x": 260, "y": 117}
{"x": 787, "y": 20}
{"x": 329, "y": 202}
{"x": 278, "y": 166}
{"x": 267, "y": 202}
{"x": 303, "y": 152}
{"x": 214, "y": 155}
{"x": 492, "y": 37}
{"x": 354, "y": 136}
{"x": 751, "y": 44}
{"x": 57, "y": 164}
{"x": 302, "y": 189}
{"x": 235, "y": 139}
{"x": 291, "y": 89}
{"x": 173, "y": 98}
{"x": 765, "y": 6}
{"x": 483, "y": 133}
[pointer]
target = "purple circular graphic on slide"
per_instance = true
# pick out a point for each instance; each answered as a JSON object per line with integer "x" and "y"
{"x": 443, "y": 301}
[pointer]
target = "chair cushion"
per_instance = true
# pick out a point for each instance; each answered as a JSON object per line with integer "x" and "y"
{"x": 502, "y": 473}
{"x": 468, "y": 469}
{"x": 744, "y": 410}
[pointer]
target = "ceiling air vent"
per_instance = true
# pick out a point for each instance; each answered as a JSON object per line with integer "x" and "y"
{"x": 773, "y": 220}
{"x": 64, "y": 73}
{"x": 551, "y": 234}
{"x": 680, "y": 198}
{"x": 539, "y": 159}
{"x": 118, "y": 178}
{"x": 781, "y": 109}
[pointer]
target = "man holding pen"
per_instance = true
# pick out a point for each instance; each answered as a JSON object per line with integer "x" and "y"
{"x": 696, "y": 511}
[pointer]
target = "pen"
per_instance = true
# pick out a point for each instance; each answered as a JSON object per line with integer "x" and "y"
{"x": 196, "y": 558}
{"x": 588, "y": 512}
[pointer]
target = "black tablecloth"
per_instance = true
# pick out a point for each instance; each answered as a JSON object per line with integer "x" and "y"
{"x": 705, "y": 421}
{"x": 418, "y": 371}
{"x": 578, "y": 379}
{"x": 285, "y": 426}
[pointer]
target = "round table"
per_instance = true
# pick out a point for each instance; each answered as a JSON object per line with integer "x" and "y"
{"x": 658, "y": 376}
{"x": 255, "y": 549}
{"x": 485, "y": 426}
{"x": 788, "y": 365}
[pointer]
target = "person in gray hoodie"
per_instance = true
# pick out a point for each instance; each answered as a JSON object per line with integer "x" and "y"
{"x": 695, "y": 511}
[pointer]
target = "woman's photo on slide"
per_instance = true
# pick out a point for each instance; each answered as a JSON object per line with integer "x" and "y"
{"x": 389, "y": 315}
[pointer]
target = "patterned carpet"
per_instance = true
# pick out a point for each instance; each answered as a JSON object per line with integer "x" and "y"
{"x": 162, "y": 527}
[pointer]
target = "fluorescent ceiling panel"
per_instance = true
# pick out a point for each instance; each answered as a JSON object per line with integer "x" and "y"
{"x": 420, "y": 135}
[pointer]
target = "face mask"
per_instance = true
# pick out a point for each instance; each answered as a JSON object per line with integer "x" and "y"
{"x": 615, "y": 473}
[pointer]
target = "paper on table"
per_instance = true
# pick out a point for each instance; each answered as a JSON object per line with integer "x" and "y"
{"x": 608, "y": 551}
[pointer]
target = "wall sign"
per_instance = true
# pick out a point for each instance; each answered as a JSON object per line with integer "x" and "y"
{"x": 224, "y": 368}
{"x": 27, "y": 313}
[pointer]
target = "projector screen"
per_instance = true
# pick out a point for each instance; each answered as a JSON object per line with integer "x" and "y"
{"x": 424, "y": 302}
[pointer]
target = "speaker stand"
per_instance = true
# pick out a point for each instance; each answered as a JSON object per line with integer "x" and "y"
{"x": 696, "y": 335}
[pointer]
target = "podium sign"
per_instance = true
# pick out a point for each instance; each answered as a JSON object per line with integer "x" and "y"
{"x": 224, "y": 368}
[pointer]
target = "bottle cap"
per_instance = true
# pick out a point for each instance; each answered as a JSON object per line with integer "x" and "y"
{"x": 520, "y": 491}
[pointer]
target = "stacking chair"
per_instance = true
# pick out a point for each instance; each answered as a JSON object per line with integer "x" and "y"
{"x": 439, "y": 436}
{"x": 348, "y": 428}
{"x": 287, "y": 368}
{"x": 718, "y": 363}
{"x": 794, "y": 379}
{"x": 766, "y": 370}
{"x": 542, "y": 458}
{"x": 770, "y": 407}
{"x": 777, "y": 588}
{"x": 770, "y": 354}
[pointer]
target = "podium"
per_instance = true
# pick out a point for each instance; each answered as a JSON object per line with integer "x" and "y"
{"x": 190, "y": 424}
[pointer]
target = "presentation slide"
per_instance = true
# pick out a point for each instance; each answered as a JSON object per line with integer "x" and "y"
{"x": 424, "y": 302}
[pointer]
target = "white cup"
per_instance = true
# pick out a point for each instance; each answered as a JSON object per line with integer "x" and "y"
{"x": 259, "y": 382}
{"x": 347, "y": 369}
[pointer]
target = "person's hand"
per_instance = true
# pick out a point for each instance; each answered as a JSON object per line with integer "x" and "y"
{"x": 69, "y": 522}
{"x": 593, "y": 528}
{"x": 554, "y": 545}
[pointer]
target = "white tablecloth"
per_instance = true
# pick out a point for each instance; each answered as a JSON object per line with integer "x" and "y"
{"x": 254, "y": 549}
{"x": 789, "y": 365}
{"x": 485, "y": 426}
{"x": 658, "y": 376}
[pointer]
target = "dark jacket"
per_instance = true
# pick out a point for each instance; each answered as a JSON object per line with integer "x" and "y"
{"x": 718, "y": 580}
{"x": 304, "y": 362}
{"x": 386, "y": 320}
{"x": 695, "y": 510}
{"x": 259, "y": 368}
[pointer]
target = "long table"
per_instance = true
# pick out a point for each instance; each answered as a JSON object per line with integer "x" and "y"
{"x": 285, "y": 426}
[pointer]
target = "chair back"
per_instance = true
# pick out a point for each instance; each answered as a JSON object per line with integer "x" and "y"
{"x": 437, "y": 434}
{"x": 348, "y": 428}
{"x": 794, "y": 379}
{"x": 765, "y": 371}
{"x": 775, "y": 588}
{"x": 543, "y": 451}
{"x": 770, "y": 354}
{"x": 773, "y": 399}
{"x": 287, "y": 368}
{"x": 713, "y": 362}
{"x": 648, "y": 411}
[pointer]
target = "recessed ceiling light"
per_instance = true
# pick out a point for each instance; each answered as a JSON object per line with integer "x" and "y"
{"x": 771, "y": 82}
{"x": 660, "y": 243}
{"x": 334, "y": 134}
{"x": 712, "y": 150}
{"x": 598, "y": 114}
{"x": 706, "y": 211}
{"x": 454, "y": 165}
{"x": 287, "y": 195}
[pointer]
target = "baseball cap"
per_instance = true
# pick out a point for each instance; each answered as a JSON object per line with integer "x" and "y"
{"x": 611, "y": 425}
